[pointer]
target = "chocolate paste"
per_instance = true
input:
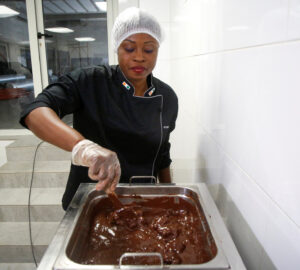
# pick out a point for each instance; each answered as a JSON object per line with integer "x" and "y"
{"x": 169, "y": 225}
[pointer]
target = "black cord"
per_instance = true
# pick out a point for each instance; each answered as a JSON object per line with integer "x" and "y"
{"x": 29, "y": 197}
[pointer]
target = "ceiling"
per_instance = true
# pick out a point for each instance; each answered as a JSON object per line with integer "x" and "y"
{"x": 83, "y": 16}
{"x": 70, "y": 6}
{"x": 57, "y": 7}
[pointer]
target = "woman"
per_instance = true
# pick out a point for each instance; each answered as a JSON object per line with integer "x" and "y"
{"x": 122, "y": 115}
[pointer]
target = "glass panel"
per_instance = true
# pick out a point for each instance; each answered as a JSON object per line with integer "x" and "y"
{"x": 76, "y": 35}
{"x": 16, "y": 85}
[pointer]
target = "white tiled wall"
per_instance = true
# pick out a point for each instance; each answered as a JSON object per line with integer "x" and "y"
{"x": 294, "y": 19}
{"x": 217, "y": 25}
{"x": 235, "y": 67}
{"x": 158, "y": 8}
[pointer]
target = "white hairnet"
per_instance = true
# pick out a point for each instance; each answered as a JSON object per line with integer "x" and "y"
{"x": 132, "y": 21}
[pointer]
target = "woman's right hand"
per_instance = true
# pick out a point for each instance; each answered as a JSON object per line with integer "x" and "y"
{"x": 103, "y": 164}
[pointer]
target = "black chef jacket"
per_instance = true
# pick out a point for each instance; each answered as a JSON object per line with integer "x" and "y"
{"x": 106, "y": 111}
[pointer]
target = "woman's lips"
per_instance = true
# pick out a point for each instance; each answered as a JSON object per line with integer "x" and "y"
{"x": 138, "y": 69}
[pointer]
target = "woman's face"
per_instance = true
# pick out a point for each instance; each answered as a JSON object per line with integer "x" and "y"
{"x": 137, "y": 56}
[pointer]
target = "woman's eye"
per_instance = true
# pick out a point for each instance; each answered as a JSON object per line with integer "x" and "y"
{"x": 149, "y": 51}
{"x": 129, "y": 50}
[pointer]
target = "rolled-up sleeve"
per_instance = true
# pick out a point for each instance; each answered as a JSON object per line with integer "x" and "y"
{"x": 62, "y": 96}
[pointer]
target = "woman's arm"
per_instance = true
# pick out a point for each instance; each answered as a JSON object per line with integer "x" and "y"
{"x": 45, "y": 124}
{"x": 164, "y": 175}
{"x": 103, "y": 164}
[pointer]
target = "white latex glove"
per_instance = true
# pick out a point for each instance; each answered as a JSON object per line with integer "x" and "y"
{"x": 103, "y": 164}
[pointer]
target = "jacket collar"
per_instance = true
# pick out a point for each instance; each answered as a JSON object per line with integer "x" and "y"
{"x": 128, "y": 87}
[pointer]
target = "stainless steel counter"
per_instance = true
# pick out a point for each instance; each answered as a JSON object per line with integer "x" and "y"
{"x": 226, "y": 258}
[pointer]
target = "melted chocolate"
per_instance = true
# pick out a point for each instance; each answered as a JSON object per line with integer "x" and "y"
{"x": 115, "y": 200}
{"x": 168, "y": 225}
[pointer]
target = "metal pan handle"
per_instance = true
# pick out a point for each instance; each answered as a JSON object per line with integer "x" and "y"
{"x": 140, "y": 254}
{"x": 143, "y": 176}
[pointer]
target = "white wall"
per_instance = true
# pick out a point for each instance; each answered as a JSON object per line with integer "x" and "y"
{"x": 235, "y": 67}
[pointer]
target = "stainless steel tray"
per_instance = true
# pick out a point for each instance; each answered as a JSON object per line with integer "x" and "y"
{"x": 70, "y": 250}
{"x": 59, "y": 254}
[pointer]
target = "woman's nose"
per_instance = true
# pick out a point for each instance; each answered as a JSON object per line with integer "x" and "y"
{"x": 139, "y": 55}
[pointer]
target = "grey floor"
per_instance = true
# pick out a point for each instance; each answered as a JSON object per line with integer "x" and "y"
{"x": 48, "y": 184}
